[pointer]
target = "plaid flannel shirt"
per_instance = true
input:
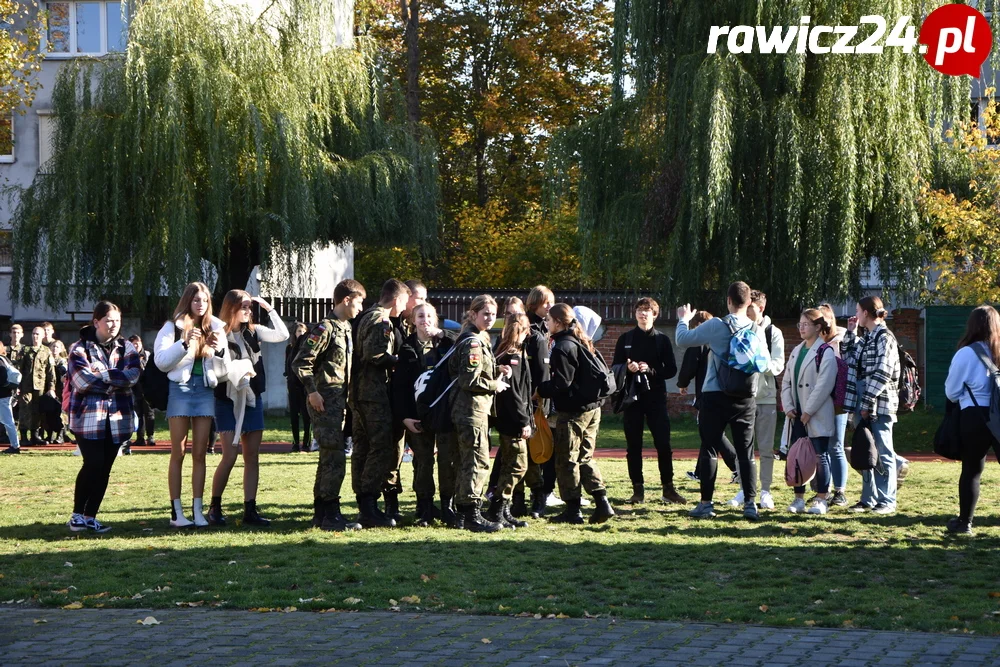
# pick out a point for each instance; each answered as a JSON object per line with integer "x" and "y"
{"x": 877, "y": 356}
{"x": 102, "y": 389}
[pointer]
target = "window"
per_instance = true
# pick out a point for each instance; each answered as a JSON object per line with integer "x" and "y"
{"x": 5, "y": 248}
{"x": 85, "y": 28}
{"x": 46, "y": 135}
{"x": 7, "y": 139}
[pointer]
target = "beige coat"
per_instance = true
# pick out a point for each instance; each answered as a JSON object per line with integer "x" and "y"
{"x": 814, "y": 389}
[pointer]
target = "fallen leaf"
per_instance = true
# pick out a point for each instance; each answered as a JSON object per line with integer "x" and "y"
{"x": 74, "y": 605}
{"x": 848, "y": 623}
{"x": 393, "y": 608}
{"x": 40, "y": 620}
{"x": 551, "y": 616}
{"x": 425, "y": 578}
{"x": 538, "y": 616}
{"x": 69, "y": 564}
{"x": 352, "y": 600}
{"x": 232, "y": 562}
{"x": 263, "y": 567}
{"x": 561, "y": 615}
{"x": 289, "y": 610}
{"x": 502, "y": 608}
{"x": 149, "y": 620}
{"x": 392, "y": 602}
{"x": 587, "y": 614}
{"x": 262, "y": 610}
{"x": 486, "y": 641}
{"x": 817, "y": 602}
{"x": 137, "y": 596}
{"x": 552, "y": 597}
{"x": 809, "y": 623}
{"x": 953, "y": 618}
{"x": 995, "y": 594}
{"x": 64, "y": 591}
{"x": 411, "y": 599}
{"x": 763, "y": 608}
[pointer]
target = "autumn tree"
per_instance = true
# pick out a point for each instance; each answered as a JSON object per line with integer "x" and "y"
{"x": 20, "y": 60}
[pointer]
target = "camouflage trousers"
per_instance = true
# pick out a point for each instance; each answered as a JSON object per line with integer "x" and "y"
{"x": 328, "y": 429}
{"x": 30, "y": 417}
{"x": 573, "y": 442}
{"x": 423, "y": 445}
{"x": 533, "y": 478}
{"x": 377, "y": 451}
{"x": 513, "y": 464}
{"x": 474, "y": 460}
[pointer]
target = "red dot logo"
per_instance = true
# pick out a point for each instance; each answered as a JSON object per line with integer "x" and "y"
{"x": 957, "y": 40}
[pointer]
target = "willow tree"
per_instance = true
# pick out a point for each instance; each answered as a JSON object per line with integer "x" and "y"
{"x": 788, "y": 171}
{"x": 219, "y": 136}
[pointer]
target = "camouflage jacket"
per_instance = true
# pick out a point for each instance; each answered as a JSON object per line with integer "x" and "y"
{"x": 324, "y": 359}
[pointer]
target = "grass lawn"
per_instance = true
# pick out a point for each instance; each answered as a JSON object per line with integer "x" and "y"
{"x": 652, "y": 562}
{"x": 913, "y": 433}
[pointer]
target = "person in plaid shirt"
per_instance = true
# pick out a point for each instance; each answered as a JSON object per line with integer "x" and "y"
{"x": 872, "y": 377}
{"x": 103, "y": 367}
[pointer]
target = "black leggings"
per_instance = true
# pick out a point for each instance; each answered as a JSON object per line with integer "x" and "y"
{"x": 92, "y": 480}
{"x": 977, "y": 440}
{"x": 296, "y": 407}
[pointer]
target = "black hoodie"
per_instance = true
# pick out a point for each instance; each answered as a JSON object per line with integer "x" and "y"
{"x": 513, "y": 406}
{"x": 563, "y": 365}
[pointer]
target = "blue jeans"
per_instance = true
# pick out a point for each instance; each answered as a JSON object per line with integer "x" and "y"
{"x": 7, "y": 419}
{"x": 838, "y": 459}
{"x": 878, "y": 486}
{"x": 822, "y": 449}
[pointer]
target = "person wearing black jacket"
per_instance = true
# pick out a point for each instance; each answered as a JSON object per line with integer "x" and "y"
{"x": 514, "y": 417}
{"x": 420, "y": 352}
{"x": 577, "y": 418}
{"x": 540, "y": 300}
{"x": 647, "y": 356}
{"x": 296, "y": 392}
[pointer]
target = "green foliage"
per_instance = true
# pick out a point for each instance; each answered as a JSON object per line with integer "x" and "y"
{"x": 217, "y": 132}
{"x": 787, "y": 171}
{"x": 20, "y": 58}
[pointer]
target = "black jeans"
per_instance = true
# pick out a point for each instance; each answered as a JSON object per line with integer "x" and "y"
{"x": 717, "y": 411}
{"x": 651, "y": 409}
{"x": 147, "y": 420}
{"x": 977, "y": 440}
{"x": 297, "y": 407}
{"x": 92, "y": 480}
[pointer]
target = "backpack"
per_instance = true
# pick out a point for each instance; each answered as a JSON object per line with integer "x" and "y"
{"x": 431, "y": 390}
{"x": 594, "y": 380}
{"x": 155, "y": 383}
{"x": 738, "y": 375}
{"x": 993, "y": 417}
{"x": 839, "y": 392}
{"x": 864, "y": 453}
{"x": 11, "y": 376}
{"x": 801, "y": 465}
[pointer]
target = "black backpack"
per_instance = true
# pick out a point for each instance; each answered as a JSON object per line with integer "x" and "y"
{"x": 155, "y": 383}
{"x": 431, "y": 390}
{"x": 594, "y": 380}
{"x": 864, "y": 453}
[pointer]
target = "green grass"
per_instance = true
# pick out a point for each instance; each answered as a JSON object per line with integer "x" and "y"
{"x": 913, "y": 433}
{"x": 654, "y": 562}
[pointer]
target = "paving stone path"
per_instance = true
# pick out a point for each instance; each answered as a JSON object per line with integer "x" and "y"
{"x": 185, "y": 637}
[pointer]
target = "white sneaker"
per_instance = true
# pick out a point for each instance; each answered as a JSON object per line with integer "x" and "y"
{"x": 77, "y": 452}
{"x": 552, "y": 501}
{"x": 819, "y": 506}
{"x": 737, "y": 500}
{"x": 314, "y": 447}
{"x": 766, "y": 501}
{"x": 584, "y": 502}
{"x": 798, "y": 506}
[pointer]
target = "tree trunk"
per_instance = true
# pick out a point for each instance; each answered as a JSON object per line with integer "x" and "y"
{"x": 482, "y": 191}
{"x": 411, "y": 36}
{"x": 244, "y": 254}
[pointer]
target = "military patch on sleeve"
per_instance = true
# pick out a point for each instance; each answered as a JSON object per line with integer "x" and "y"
{"x": 316, "y": 334}
{"x": 386, "y": 330}
{"x": 474, "y": 343}
{"x": 474, "y": 358}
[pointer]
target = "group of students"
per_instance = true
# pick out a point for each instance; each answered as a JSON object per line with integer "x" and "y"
{"x": 372, "y": 365}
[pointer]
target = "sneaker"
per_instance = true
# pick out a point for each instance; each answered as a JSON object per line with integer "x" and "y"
{"x": 902, "y": 470}
{"x": 750, "y": 511}
{"x": 702, "y": 511}
{"x": 97, "y": 526}
{"x": 819, "y": 506}
{"x": 839, "y": 499}
{"x": 737, "y": 500}
{"x": 11, "y": 450}
{"x": 126, "y": 449}
{"x": 798, "y": 506}
{"x": 766, "y": 501}
{"x": 858, "y": 508}
{"x": 693, "y": 476}
{"x": 314, "y": 447}
{"x": 77, "y": 523}
{"x": 884, "y": 508}
{"x": 584, "y": 502}
{"x": 552, "y": 501}
{"x": 958, "y": 526}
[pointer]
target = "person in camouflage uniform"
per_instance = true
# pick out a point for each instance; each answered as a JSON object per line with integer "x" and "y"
{"x": 375, "y": 461}
{"x": 38, "y": 378}
{"x": 477, "y": 381}
{"x": 323, "y": 365}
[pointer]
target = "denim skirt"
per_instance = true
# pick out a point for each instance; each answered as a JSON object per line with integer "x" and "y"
{"x": 190, "y": 399}
{"x": 225, "y": 419}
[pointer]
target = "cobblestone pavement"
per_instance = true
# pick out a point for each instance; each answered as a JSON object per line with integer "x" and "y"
{"x": 114, "y": 637}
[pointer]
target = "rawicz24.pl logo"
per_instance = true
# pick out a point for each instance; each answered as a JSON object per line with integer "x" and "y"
{"x": 954, "y": 39}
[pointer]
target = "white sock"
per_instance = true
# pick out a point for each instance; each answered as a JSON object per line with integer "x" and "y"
{"x": 196, "y": 511}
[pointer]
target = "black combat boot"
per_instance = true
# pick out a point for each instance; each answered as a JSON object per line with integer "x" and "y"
{"x": 448, "y": 515}
{"x": 571, "y": 513}
{"x": 369, "y": 515}
{"x": 333, "y": 520}
{"x": 602, "y": 508}
{"x": 493, "y": 513}
{"x": 509, "y": 518}
{"x": 36, "y": 438}
{"x": 295, "y": 448}
{"x": 638, "y": 495}
{"x": 537, "y": 504}
{"x": 392, "y": 506}
{"x": 215, "y": 516}
{"x": 251, "y": 517}
{"x": 475, "y": 522}
{"x": 319, "y": 510}
{"x": 518, "y": 507}
{"x": 425, "y": 514}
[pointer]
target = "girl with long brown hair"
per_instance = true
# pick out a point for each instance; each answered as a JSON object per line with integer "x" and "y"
{"x": 239, "y": 406}
{"x": 971, "y": 383}
{"x": 577, "y": 419}
{"x": 191, "y": 349}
